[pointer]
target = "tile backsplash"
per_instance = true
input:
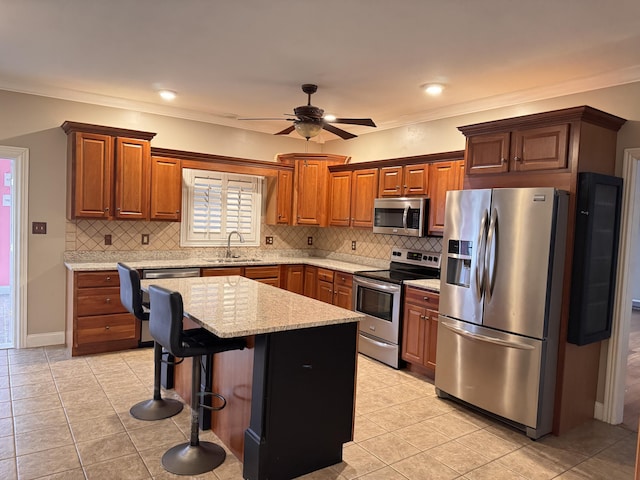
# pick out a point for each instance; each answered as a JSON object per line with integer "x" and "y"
{"x": 89, "y": 236}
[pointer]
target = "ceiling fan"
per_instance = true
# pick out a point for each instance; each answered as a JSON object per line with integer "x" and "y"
{"x": 309, "y": 120}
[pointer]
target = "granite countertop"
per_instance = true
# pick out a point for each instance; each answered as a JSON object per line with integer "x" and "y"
{"x": 429, "y": 284}
{"x": 339, "y": 265}
{"x": 235, "y": 306}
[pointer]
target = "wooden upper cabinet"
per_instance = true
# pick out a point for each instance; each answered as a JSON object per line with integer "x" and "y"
{"x": 133, "y": 177}
{"x": 488, "y": 154}
{"x": 403, "y": 181}
{"x": 544, "y": 148}
{"x": 443, "y": 176}
{"x": 166, "y": 189}
{"x": 90, "y": 175}
{"x": 108, "y": 172}
{"x": 340, "y": 198}
{"x": 285, "y": 191}
{"x": 364, "y": 186}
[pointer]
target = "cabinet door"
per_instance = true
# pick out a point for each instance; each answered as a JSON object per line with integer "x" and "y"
{"x": 222, "y": 271}
{"x": 310, "y": 281}
{"x": 166, "y": 189}
{"x": 91, "y": 173}
{"x": 431, "y": 340}
{"x": 413, "y": 331}
{"x": 343, "y": 297}
{"x": 311, "y": 192}
{"x": 339, "y": 199}
{"x": 285, "y": 189}
{"x": 132, "y": 178}
{"x": 488, "y": 154}
{"x": 363, "y": 192}
{"x": 540, "y": 148}
{"x": 443, "y": 177}
{"x": 390, "y": 182}
{"x": 325, "y": 291}
{"x": 416, "y": 178}
{"x": 294, "y": 278}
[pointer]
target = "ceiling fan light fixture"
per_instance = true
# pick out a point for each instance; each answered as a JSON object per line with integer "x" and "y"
{"x": 308, "y": 129}
{"x": 433, "y": 89}
{"x": 167, "y": 94}
{"x": 329, "y": 117}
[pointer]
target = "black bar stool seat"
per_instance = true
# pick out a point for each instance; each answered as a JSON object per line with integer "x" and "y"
{"x": 165, "y": 325}
{"x": 157, "y": 407}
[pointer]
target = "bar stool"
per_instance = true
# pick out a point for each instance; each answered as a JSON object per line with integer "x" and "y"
{"x": 165, "y": 325}
{"x": 156, "y": 408}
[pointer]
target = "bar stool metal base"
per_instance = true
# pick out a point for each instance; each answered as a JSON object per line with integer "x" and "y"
{"x": 156, "y": 409}
{"x": 187, "y": 459}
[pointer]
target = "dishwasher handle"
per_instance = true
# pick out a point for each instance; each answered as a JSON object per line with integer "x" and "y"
{"x": 170, "y": 273}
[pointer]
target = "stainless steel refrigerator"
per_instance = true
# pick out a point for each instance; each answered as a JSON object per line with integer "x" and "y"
{"x": 500, "y": 302}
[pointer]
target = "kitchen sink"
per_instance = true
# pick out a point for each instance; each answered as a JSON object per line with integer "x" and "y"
{"x": 234, "y": 260}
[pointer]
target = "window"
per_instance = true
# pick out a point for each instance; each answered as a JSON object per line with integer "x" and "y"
{"x": 215, "y": 204}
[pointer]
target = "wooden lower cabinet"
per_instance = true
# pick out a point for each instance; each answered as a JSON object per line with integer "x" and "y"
{"x": 269, "y": 274}
{"x": 222, "y": 271}
{"x": 335, "y": 288}
{"x": 97, "y": 321}
{"x": 310, "y": 281}
{"x": 293, "y": 278}
{"x": 420, "y": 329}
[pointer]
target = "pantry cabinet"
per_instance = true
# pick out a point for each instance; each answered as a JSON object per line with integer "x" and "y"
{"x": 420, "y": 329}
{"x": 108, "y": 172}
{"x": 166, "y": 189}
{"x": 402, "y": 181}
{"x": 351, "y": 196}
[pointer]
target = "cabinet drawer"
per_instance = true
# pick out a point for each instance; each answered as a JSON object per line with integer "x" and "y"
{"x": 97, "y": 279}
{"x": 221, "y": 272}
{"x": 272, "y": 271}
{"x": 325, "y": 275}
{"x": 106, "y": 328}
{"x": 429, "y": 300}
{"x": 343, "y": 279}
{"x": 99, "y": 301}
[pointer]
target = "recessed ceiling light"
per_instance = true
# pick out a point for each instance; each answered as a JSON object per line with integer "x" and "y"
{"x": 167, "y": 94}
{"x": 433, "y": 89}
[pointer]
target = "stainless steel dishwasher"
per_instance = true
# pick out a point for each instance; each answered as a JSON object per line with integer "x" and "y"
{"x": 145, "y": 337}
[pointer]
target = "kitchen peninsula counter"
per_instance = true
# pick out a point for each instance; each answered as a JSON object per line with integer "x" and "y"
{"x": 291, "y": 393}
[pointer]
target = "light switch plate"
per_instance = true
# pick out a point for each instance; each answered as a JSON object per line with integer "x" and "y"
{"x": 145, "y": 239}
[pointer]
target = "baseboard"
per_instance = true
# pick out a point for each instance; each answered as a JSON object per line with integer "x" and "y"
{"x": 635, "y": 304}
{"x": 45, "y": 339}
{"x": 598, "y": 411}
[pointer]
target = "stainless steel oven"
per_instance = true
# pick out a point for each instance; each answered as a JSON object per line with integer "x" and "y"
{"x": 378, "y": 295}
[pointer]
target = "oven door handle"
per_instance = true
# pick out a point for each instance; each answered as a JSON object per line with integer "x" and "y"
{"x": 376, "y": 286}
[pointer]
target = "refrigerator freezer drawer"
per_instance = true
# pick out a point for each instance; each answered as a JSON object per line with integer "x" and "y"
{"x": 498, "y": 372}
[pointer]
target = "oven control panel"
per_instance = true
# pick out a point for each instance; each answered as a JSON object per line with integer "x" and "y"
{"x": 416, "y": 257}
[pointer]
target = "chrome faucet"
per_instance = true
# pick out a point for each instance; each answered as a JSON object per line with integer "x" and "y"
{"x": 228, "y": 254}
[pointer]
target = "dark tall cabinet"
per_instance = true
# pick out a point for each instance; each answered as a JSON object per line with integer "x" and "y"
{"x": 599, "y": 202}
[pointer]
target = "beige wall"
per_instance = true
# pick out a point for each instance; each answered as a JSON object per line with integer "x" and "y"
{"x": 34, "y": 122}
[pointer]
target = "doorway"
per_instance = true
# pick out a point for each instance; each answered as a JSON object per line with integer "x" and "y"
{"x": 14, "y": 170}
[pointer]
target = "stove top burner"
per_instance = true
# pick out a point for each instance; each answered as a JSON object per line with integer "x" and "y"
{"x": 407, "y": 265}
{"x": 396, "y": 276}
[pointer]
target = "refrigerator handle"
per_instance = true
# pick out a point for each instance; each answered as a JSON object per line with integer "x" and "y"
{"x": 486, "y": 338}
{"x": 489, "y": 256}
{"x": 482, "y": 245}
{"x": 405, "y": 215}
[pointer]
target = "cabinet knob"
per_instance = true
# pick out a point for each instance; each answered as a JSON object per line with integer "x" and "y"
{"x": 106, "y": 209}
{"x": 503, "y": 161}
{"x": 517, "y": 159}
{"x": 405, "y": 187}
{"x": 397, "y": 187}
{"x": 426, "y": 299}
{"x": 177, "y": 211}
{"x": 108, "y": 279}
{"x": 107, "y": 300}
{"x": 107, "y": 327}
{"x": 423, "y": 317}
{"x": 118, "y": 209}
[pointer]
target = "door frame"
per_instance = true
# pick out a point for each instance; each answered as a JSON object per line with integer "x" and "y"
{"x": 19, "y": 239}
{"x": 618, "y": 344}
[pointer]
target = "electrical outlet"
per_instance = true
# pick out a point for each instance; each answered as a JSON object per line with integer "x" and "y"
{"x": 309, "y": 240}
{"x": 107, "y": 239}
{"x": 353, "y": 244}
{"x": 39, "y": 228}
{"x": 269, "y": 240}
{"x": 145, "y": 239}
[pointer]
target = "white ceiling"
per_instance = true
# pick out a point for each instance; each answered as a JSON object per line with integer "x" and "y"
{"x": 248, "y": 58}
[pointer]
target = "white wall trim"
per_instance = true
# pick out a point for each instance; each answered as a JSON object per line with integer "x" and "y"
{"x": 618, "y": 344}
{"x": 19, "y": 238}
{"x": 44, "y": 339}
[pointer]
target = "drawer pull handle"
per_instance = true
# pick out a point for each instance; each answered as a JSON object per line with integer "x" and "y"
{"x": 426, "y": 299}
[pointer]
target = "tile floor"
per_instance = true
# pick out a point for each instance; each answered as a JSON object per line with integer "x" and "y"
{"x": 67, "y": 418}
{"x": 6, "y": 318}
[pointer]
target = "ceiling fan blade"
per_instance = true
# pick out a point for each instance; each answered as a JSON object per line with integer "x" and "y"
{"x": 264, "y": 118}
{"x": 367, "y": 122}
{"x": 338, "y": 131}
{"x": 286, "y": 131}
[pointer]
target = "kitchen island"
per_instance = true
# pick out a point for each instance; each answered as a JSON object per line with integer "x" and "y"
{"x": 291, "y": 394}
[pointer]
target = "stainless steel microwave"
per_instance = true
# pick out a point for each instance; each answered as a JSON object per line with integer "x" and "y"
{"x": 401, "y": 216}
